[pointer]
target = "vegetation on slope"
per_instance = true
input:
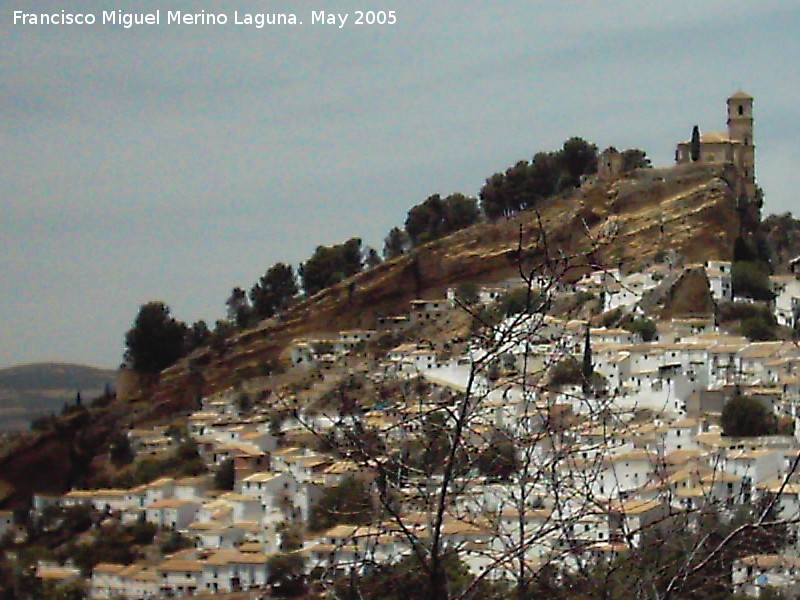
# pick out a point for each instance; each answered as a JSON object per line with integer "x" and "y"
{"x": 523, "y": 186}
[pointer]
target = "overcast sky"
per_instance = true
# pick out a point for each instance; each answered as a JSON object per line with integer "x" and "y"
{"x": 176, "y": 162}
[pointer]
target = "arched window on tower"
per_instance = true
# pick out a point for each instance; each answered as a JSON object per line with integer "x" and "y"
{"x": 741, "y": 109}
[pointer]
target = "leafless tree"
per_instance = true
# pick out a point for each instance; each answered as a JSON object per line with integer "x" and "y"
{"x": 542, "y": 518}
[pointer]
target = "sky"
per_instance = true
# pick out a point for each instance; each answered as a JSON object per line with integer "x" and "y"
{"x": 175, "y": 162}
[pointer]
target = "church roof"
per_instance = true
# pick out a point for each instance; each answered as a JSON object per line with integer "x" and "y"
{"x": 714, "y": 137}
{"x": 740, "y": 95}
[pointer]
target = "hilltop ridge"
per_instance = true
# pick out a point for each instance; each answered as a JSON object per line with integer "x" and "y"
{"x": 689, "y": 209}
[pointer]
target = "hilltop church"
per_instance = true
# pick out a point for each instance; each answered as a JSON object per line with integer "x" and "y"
{"x": 735, "y": 145}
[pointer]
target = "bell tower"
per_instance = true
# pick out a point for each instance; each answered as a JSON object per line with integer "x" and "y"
{"x": 740, "y": 131}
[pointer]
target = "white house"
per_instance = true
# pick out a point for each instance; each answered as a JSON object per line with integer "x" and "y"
{"x": 680, "y": 435}
{"x": 160, "y": 489}
{"x": 752, "y": 574}
{"x": 353, "y": 338}
{"x": 181, "y": 574}
{"x": 120, "y": 582}
{"x": 621, "y": 474}
{"x": 192, "y": 488}
{"x": 234, "y": 571}
{"x": 413, "y": 358}
{"x": 720, "y": 279}
{"x": 754, "y": 466}
{"x": 172, "y": 513}
{"x": 629, "y": 520}
{"x": 215, "y": 535}
{"x": 272, "y": 490}
{"x": 787, "y": 299}
{"x": 429, "y": 311}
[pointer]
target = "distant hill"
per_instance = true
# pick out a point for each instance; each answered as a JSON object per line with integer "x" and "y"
{"x": 28, "y": 391}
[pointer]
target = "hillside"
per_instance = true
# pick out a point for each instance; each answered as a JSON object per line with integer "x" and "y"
{"x": 27, "y": 391}
{"x": 689, "y": 209}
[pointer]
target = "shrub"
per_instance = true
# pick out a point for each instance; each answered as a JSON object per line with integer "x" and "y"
{"x": 174, "y": 542}
{"x": 566, "y": 372}
{"x": 521, "y": 301}
{"x": 467, "y": 293}
{"x": 291, "y": 537}
{"x": 735, "y": 311}
{"x": 119, "y": 450}
{"x": 188, "y": 459}
{"x": 286, "y": 575}
{"x": 184, "y": 462}
{"x": 743, "y": 416}
{"x": 645, "y": 328}
{"x": 407, "y": 578}
{"x": 43, "y": 423}
{"x": 142, "y": 533}
{"x": 760, "y": 328}
{"x": 498, "y": 460}
{"x": 786, "y": 426}
{"x": 610, "y": 318}
{"x": 348, "y": 502}
{"x": 111, "y": 544}
{"x": 225, "y": 475}
{"x": 177, "y": 431}
{"x": 583, "y": 297}
{"x": 485, "y": 316}
{"x": 751, "y": 280}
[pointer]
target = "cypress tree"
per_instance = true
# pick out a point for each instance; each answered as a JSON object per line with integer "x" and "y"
{"x": 587, "y": 369}
{"x": 695, "y": 149}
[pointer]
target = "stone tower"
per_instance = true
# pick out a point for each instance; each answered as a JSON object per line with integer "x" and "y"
{"x": 609, "y": 164}
{"x": 740, "y": 129}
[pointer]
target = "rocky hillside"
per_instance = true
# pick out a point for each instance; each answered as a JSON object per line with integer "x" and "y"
{"x": 689, "y": 209}
{"x": 65, "y": 453}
